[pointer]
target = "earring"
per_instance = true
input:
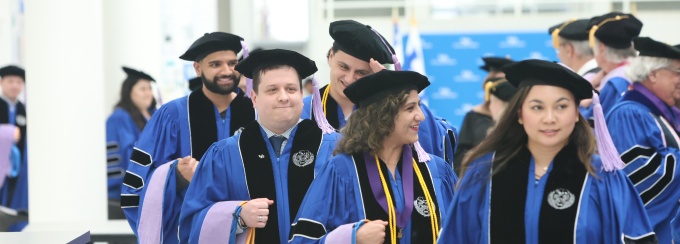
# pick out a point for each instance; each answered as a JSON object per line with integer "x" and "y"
{"x": 519, "y": 121}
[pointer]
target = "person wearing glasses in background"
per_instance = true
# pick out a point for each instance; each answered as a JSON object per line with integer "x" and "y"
{"x": 644, "y": 126}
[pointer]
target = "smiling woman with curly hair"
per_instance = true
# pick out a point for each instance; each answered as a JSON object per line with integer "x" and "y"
{"x": 371, "y": 125}
{"x": 380, "y": 173}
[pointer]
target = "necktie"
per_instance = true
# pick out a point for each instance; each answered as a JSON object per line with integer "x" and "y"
{"x": 276, "y": 143}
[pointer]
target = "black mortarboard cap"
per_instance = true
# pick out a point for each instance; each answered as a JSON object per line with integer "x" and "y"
{"x": 375, "y": 87}
{"x": 138, "y": 74}
{"x": 540, "y": 72}
{"x": 651, "y": 48}
{"x": 494, "y": 63}
{"x": 576, "y": 29}
{"x": 195, "y": 83}
{"x": 13, "y": 70}
{"x": 266, "y": 58}
{"x": 360, "y": 41}
{"x": 254, "y": 49}
{"x": 614, "y": 29}
{"x": 210, "y": 43}
{"x": 501, "y": 88}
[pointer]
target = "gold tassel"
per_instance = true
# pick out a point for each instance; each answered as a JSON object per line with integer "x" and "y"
{"x": 556, "y": 32}
{"x": 487, "y": 90}
{"x": 591, "y": 37}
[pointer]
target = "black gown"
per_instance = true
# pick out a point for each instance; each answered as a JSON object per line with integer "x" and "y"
{"x": 474, "y": 130}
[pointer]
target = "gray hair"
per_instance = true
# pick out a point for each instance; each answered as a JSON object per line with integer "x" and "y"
{"x": 640, "y": 67}
{"x": 615, "y": 55}
{"x": 581, "y": 48}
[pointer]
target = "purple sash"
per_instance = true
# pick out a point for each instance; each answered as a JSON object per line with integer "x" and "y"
{"x": 407, "y": 181}
{"x": 619, "y": 71}
{"x": 6, "y": 143}
{"x": 151, "y": 217}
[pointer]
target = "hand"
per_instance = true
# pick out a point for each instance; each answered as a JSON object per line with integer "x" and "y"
{"x": 17, "y": 134}
{"x": 254, "y": 210}
{"x": 372, "y": 232}
{"x": 187, "y": 167}
{"x": 586, "y": 103}
{"x": 596, "y": 80}
{"x": 375, "y": 66}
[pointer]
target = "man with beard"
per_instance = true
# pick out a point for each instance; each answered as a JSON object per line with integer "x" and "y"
{"x": 164, "y": 159}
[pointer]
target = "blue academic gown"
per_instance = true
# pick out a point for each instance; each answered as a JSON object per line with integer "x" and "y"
{"x": 611, "y": 213}
{"x": 436, "y": 135}
{"x": 17, "y": 197}
{"x": 221, "y": 178}
{"x": 166, "y": 138}
{"x": 616, "y": 84}
{"x": 648, "y": 146}
{"x": 121, "y": 135}
{"x": 334, "y": 202}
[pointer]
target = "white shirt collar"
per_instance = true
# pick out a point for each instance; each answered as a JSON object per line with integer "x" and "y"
{"x": 285, "y": 134}
{"x": 591, "y": 64}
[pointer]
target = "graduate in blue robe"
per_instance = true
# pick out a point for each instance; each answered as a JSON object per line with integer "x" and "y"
{"x": 125, "y": 124}
{"x": 153, "y": 185}
{"x": 404, "y": 188}
{"x": 536, "y": 179}
{"x": 14, "y": 189}
{"x": 612, "y": 33}
{"x": 238, "y": 171}
{"x": 358, "y": 50}
{"x": 645, "y": 126}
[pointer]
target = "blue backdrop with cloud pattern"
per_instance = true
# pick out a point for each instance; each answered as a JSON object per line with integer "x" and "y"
{"x": 452, "y": 62}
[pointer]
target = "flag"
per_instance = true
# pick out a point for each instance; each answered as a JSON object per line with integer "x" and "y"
{"x": 413, "y": 53}
{"x": 398, "y": 40}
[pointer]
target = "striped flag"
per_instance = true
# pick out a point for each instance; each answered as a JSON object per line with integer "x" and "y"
{"x": 413, "y": 53}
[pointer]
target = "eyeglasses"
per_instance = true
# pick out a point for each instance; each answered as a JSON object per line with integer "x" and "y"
{"x": 676, "y": 71}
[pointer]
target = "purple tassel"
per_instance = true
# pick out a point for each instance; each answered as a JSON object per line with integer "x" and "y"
{"x": 422, "y": 155}
{"x": 608, "y": 153}
{"x": 320, "y": 118}
{"x": 397, "y": 64}
{"x": 249, "y": 82}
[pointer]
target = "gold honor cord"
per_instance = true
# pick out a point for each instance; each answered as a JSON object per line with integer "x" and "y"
{"x": 392, "y": 214}
{"x": 250, "y": 238}
{"x": 391, "y": 210}
{"x": 325, "y": 98}
{"x": 430, "y": 203}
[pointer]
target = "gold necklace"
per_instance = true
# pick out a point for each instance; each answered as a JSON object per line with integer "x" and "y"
{"x": 538, "y": 176}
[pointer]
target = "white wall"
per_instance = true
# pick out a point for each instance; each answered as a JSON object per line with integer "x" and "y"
{"x": 66, "y": 136}
{"x": 5, "y": 36}
{"x": 133, "y": 38}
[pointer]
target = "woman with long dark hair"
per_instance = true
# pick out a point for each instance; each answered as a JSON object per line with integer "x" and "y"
{"x": 536, "y": 178}
{"x": 378, "y": 188}
{"x": 135, "y": 107}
